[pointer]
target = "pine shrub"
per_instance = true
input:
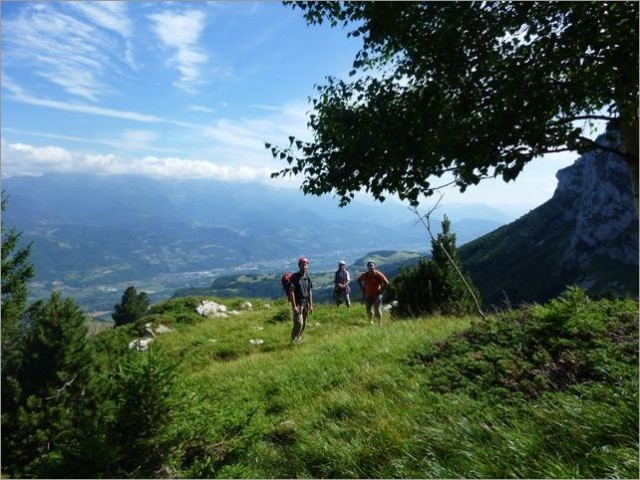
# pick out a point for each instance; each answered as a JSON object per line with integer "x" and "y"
{"x": 434, "y": 286}
{"x": 569, "y": 344}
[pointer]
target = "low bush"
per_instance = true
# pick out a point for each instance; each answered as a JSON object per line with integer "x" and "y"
{"x": 568, "y": 342}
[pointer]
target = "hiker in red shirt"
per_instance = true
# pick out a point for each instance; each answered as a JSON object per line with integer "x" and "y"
{"x": 373, "y": 283}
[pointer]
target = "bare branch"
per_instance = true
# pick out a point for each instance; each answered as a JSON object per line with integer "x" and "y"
{"x": 62, "y": 388}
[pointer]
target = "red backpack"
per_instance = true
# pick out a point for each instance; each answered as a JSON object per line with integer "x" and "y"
{"x": 286, "y": 283}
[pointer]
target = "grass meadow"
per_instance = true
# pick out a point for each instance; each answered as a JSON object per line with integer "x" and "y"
{"x": 357, "y": 400}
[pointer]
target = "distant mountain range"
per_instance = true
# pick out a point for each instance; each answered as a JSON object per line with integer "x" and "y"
{"x": 586, "y": 234}
{"x": 94, "y": 235}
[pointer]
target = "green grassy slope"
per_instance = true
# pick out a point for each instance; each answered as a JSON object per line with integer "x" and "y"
{"x": 357, "y": 400}
{"x": 524, "y": 261}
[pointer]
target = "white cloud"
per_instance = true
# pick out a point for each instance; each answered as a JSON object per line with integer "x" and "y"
{"x": 73, "y": 54}
{"x": 18, "y": 94}
{"x": 200, "y": 108}
{"x": 22, "y": 159}
{"x": 176, "y": 167}
{"x": 109, "y": 15}
{"x": 181, "y": 32}
{"x": 30, "y": 160}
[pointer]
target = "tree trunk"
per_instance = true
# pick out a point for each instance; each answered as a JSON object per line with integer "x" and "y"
{"x": 629, "y": 133}
{"x": 633, "y": 171}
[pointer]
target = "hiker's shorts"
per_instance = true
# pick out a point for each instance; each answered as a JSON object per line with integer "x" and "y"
{"x": 374, "y": 306}
{"x": 299, "y": 320}
{"x": 341, "y": 296}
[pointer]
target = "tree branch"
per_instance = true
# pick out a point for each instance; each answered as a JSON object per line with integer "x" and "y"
{"x": 605, "y": 148}
{"x": 62, "y": 388}
{"x": 583, "y": 117}
{"x": 453, "y": 182}
{"x": 557, "y": 150}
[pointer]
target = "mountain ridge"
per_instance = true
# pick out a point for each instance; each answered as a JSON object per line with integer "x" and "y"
{"x": 586, "y": 234}
{"x": 113, "y": 231}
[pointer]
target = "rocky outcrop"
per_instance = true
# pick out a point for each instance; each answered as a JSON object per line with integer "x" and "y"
{"x": 142, "y": 344}
{"x": 597, "y": 197}
{"x": 211, "y": 309}
{"x": 586, "y": 235}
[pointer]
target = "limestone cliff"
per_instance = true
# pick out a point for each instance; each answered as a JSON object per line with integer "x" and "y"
{"x": 586, "y": 234}
{"x": 597, "y": 192}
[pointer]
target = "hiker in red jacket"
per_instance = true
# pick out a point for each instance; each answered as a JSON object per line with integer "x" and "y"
{"x": 373, "y": 283}
{"x": 301, "y": 298}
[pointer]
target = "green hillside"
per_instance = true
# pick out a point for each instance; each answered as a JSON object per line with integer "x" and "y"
{"x": 524, "y": 261}
{"x": 545, "y": 392}
{"x": 521, "y": 260}
{"x": 267, "y": 285}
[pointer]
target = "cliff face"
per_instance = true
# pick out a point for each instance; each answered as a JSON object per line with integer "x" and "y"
{"x": 597, "y": 193}
{"x": 586, "y": 234}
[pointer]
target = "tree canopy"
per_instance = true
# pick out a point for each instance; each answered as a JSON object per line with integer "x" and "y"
{"x": 466, "y": 89}
{"x": 17, "y": 270}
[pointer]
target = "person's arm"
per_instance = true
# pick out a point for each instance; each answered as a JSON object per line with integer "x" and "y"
{"x": 384, "y": 283}
{"x": 362, "y": 282}
{"x": 292, "y": 298}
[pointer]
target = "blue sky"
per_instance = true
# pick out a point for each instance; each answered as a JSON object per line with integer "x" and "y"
{"x": 181, "y": 90}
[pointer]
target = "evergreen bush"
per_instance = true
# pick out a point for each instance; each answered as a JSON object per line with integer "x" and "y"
{"x": 47, "y": 427}
{"x": 569, "y": 344}
{"x": 131, "y": 308}
{"x": 434, "y": 286}
{"x": 142, "y": 390}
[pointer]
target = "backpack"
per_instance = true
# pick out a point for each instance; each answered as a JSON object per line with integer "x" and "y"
{"x": 286, "y": 283}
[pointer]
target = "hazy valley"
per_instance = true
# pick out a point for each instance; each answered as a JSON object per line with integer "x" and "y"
{"x": 93, "y": 236}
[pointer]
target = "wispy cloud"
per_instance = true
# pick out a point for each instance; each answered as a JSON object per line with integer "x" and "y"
{"x": 18, "y": 94}
{"x": 180, "y": 33}
{"x": 139, "y": 137}
{"x": 73, "y": 53}
{"x": 265, "y": 107}
{"x": 109, "y": 15}
{"x": 245, "y": 138}
{"x": 245, "y": 132}
{"x": 112, "y": 16}
{"x": 129, "y": 139}
{"x": 200, "y": 108}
